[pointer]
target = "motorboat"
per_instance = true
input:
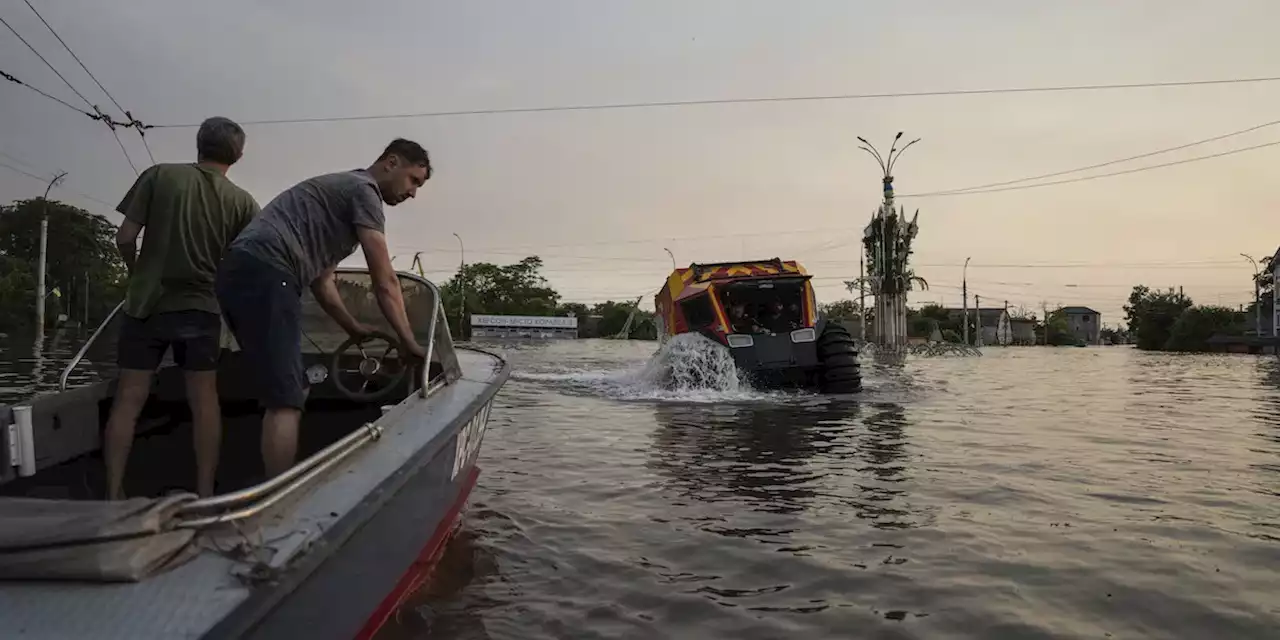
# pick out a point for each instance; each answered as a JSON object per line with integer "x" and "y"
{"x": 329, "y": 549}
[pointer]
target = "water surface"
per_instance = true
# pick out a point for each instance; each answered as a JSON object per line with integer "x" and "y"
{"x": 1029, "y": 493}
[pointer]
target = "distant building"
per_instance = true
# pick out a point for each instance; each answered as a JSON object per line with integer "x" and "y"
{"x": 542, "y": 327}
{"x": 992, "y": 325}
{"x": 1024, "y": 330}
{"x": 996, "y": 328}
{"x": 1084, "y": 323}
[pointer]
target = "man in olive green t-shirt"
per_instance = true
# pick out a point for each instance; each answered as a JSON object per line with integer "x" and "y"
{"x": 191, "y": 213}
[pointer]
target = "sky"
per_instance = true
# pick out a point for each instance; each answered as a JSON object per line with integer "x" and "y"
{"x": 599, "y": 194}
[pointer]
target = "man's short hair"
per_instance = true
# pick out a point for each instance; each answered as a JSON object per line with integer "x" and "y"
{"x": 410, "y": 152}
{"x": 220, "y": 140}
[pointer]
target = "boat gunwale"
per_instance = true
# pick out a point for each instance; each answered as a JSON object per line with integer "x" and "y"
{"x": 261, "y": 601}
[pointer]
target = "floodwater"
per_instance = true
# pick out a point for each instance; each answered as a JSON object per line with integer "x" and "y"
{"x": 28, "y": 368}
{"x": 1029, "y": 493}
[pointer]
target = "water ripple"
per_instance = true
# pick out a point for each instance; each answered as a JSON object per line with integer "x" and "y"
{"x": 1030, "y": 493}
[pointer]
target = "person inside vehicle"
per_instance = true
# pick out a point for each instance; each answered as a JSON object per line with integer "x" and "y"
{"x": 298, "y": 240}
{"x": 739, "y": 320}
{"x": 191, "y": 213}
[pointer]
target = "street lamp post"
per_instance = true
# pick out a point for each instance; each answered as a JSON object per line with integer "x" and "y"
{"x": 673, "y": 258}
{"x": 1257, "y": 297}
{"x": 462, "y": 287}
{"x": 41, "y": 268}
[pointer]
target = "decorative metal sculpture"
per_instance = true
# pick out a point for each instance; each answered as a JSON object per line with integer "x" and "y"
{"x": 887, "y": 243}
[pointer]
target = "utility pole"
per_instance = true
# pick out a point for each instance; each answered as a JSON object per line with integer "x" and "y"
{"x": 462, "y": 287}
{"x": 1257, "y": 297}
{"x": 1007, "y": 338}
{"x": 86, "y": 299}
{"x": 44, "y": 255}
{"x": 1044, "y": 310}
{"x": 862, "y": 299}
{"x": 964, "y": 295}
{"x": 977, "y": 312}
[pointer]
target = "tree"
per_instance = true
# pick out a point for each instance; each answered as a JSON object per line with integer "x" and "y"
{"x": 81, "y": 250}
{"x": 840, "y": 309}
{"x": 1058, "y": 329}
{"x": 1152, "y": 314}
{"x": 575, "y": 309}
{"x": 515, "y": 289}
{"x": 1114, "y": 335}
{"x": 1193, "y": 328}
{"x": 613, "y": 316}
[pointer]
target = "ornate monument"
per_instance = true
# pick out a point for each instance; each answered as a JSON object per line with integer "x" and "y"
{"x": 886, "y": 243}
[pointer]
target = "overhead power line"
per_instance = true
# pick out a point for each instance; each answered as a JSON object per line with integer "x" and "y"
{"x": 47, "y": 63}
{"x": 1099, "y": 165}
{"x": 45, "y": 179}
{"x": 74, "y": 56}
{"x": 758, "y": 100}
{"x": 96, "y": 113}
{"x": 54, "y": 98}
{"x": 1093, "y": 177}
{"x": 110, "y": 97}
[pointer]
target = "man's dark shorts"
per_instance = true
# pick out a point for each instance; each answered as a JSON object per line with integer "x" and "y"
{"x": 195, "y": 337}
{"x": 263, "y": 307}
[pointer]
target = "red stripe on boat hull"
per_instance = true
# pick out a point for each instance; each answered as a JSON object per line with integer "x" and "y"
{"x": 420, "y": 569}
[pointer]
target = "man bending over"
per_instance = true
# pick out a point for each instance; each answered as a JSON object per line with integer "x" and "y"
{"x": 298, "y": 240}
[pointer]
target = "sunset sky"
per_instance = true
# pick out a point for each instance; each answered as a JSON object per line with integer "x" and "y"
{"x": 600, "y": 193}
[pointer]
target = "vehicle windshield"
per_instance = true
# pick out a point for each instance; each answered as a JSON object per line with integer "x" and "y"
{"x": 764, "y": 306}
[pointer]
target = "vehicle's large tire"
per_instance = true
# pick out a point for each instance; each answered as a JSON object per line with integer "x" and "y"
{"x": 838, "y": 354}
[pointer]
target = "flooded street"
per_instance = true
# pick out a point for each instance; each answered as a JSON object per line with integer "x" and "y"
{"x": 1030, "y": 493}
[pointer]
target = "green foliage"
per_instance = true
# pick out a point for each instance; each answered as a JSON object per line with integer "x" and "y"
{"x": 920, "y": 323}
{"x": 519, "y": 289}
{"x": 514, "y": 289}
{"x": 919, "y": 326}
{"x": 575, "y": 309}
{"x": 1114, "y": 336}
{"x": 1058, "y": 328}
{"x": 1152, "y": 314}
{"x": 1192, "y": 330}
{"x": 80, "y": 245}
{"x": 613, "y": 316}
{"x": 841, "y": 309}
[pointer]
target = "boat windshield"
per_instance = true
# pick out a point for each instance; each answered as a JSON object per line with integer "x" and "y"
{"x": 322, "y": 335}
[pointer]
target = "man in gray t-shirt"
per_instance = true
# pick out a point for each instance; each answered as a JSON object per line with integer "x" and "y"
{"x": 297, "y": 241}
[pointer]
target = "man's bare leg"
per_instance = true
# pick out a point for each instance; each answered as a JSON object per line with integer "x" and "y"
{"x": 206, "y": 426}
{"x": 132, "y": 390}
{"x": 280, "y": 439}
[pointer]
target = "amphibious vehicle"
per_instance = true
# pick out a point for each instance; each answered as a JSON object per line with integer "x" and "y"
{"x": 765, "y": 313}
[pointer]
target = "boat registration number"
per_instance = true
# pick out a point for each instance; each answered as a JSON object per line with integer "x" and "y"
{"x": 469, "y": 438}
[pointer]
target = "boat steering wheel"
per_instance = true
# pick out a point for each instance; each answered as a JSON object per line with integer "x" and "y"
{"x": 371, "y": 371}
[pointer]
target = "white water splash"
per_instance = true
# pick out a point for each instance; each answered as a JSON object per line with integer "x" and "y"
{"x": 687, "y": 368}
{"x": 691, "y": 361}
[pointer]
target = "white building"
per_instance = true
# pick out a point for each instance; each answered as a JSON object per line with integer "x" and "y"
{"x": 543, "y": 327}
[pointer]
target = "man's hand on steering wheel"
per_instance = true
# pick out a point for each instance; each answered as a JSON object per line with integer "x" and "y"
{"x": 414, "y": 351}
{"x": 361, "y": 331}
